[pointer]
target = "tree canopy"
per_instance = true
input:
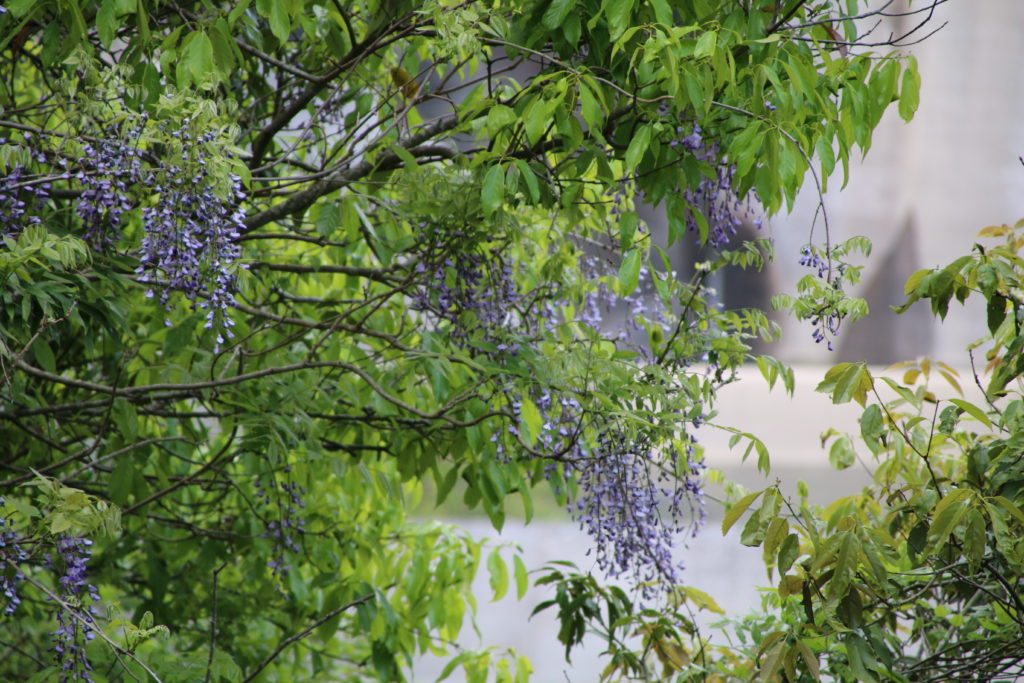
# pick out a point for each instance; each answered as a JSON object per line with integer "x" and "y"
{"x": 274, "y": 271}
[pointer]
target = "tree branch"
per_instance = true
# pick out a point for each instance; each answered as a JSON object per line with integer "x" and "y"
{"x": 303, "y": 633}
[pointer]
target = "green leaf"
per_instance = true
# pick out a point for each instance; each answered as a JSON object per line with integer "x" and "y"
{"x": 628, "y": 223}
{"x": 871, "y": 423}
{"x": 753, "y": 531}
{"x": 538, "y": 117}
{"x": 593, "y": 112}
{"x": 44, "y": 355}
{"x": 629, "y": 272}
{"x": 910, "y": 90}
{"x": 847, "y": 381}
{"x": 492, "y": 195}
{"x": 618, "y": 13}
{"x": 841, "y": 455}
{"x": 788, "y": 552}
{"x": 996, "y": 312}
{"x": 823, "y": 149}
{"x": 199, "y": 57}
{"x": 738, "y": 508}
{"x": 556, "y": 13}
{"x": 498, "y": 117}
{"x": 329, "y": 219}
{"x": 19, "y": 8}
{"x": 705, "y": 44}
{"x": 408, "y": 160}
{"x": 521, "y": 576}
{"x": 975, "y": 538}
{"x": 498, "y": 574}
{"x": 810, "y": 659}
{"x": 638, "y": 146}
{"x": 531, "y": 419}
{"x": 529, "y": 179}
{"x": 972, "y": 410}
{"x": 702, "y": 600}
{"x": 106, "y": 23}
{"x": 778, "y": 530}
{"x": 846, "y": 565}
{"x": 280, "y": 22}
{"x": 1010, "y": 507}
{"x": 859, "y": 654}
{"x": 948, "y": 514}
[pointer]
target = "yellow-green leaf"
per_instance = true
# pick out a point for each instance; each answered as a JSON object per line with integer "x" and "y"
{"x": 702, "y": 600}
{"x": 738, "y": 508}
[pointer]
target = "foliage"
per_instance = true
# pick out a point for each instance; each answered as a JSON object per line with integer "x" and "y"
{"x": 918, "y": 577}
{"x": 260, "y": 288}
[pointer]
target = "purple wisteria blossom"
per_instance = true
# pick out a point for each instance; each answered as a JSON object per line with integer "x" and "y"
{"x": 634, "y": 506}
{"x": 107, "y": 169}
{"x": 75, "y": 616}
{"x": 472, "y": 295}
{"x": 20, "y": 199}
{"x": 189, "y": 242}
{"x": 284, "y": 525}
{"x": 825, "y": 325}
{"x": 12, "y": 555}
{"x": 714, "y": 197}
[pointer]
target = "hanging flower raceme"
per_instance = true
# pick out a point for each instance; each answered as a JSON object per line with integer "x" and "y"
{"x": 189, "y": 242}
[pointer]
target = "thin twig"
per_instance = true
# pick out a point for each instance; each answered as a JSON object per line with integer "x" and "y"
{"x": 302, "y": 634}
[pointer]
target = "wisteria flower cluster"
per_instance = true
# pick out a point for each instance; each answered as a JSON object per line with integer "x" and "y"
{"x": 190, "y": 230}
{"x": 825, "y": 325}
{"x": 285, "y": 526}
{"x": 20, "y": 200}
{"x": 714, "y": 197}
{"x": 630, "y": 499}
{"x": 107, "y": 169}
{"x": 12, "y": 555}
{"x": 75, "y": 616}
{"x": 473, "y": 293}
{"x": 634, "y": 506}
{"x": 559, "y": 436}
{"x": 190, "y": 233}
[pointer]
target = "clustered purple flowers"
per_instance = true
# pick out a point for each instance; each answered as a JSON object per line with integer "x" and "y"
{"x": 190, "y": 233}
{"x": 714, "y": 197}
{"x": 12, "y": 555}
{"x": 630, "y": 500}
{"x": 283, "y": 500}
{"x": 107, "y": 169}
{"x": 75, "y": 617}
{"x": 633, "y": 506}
{"x": 188, "y": 244}
{"x": 826, "y": 324}
{"x": 20, "y": 198}
{"x": 474, "y": 293}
